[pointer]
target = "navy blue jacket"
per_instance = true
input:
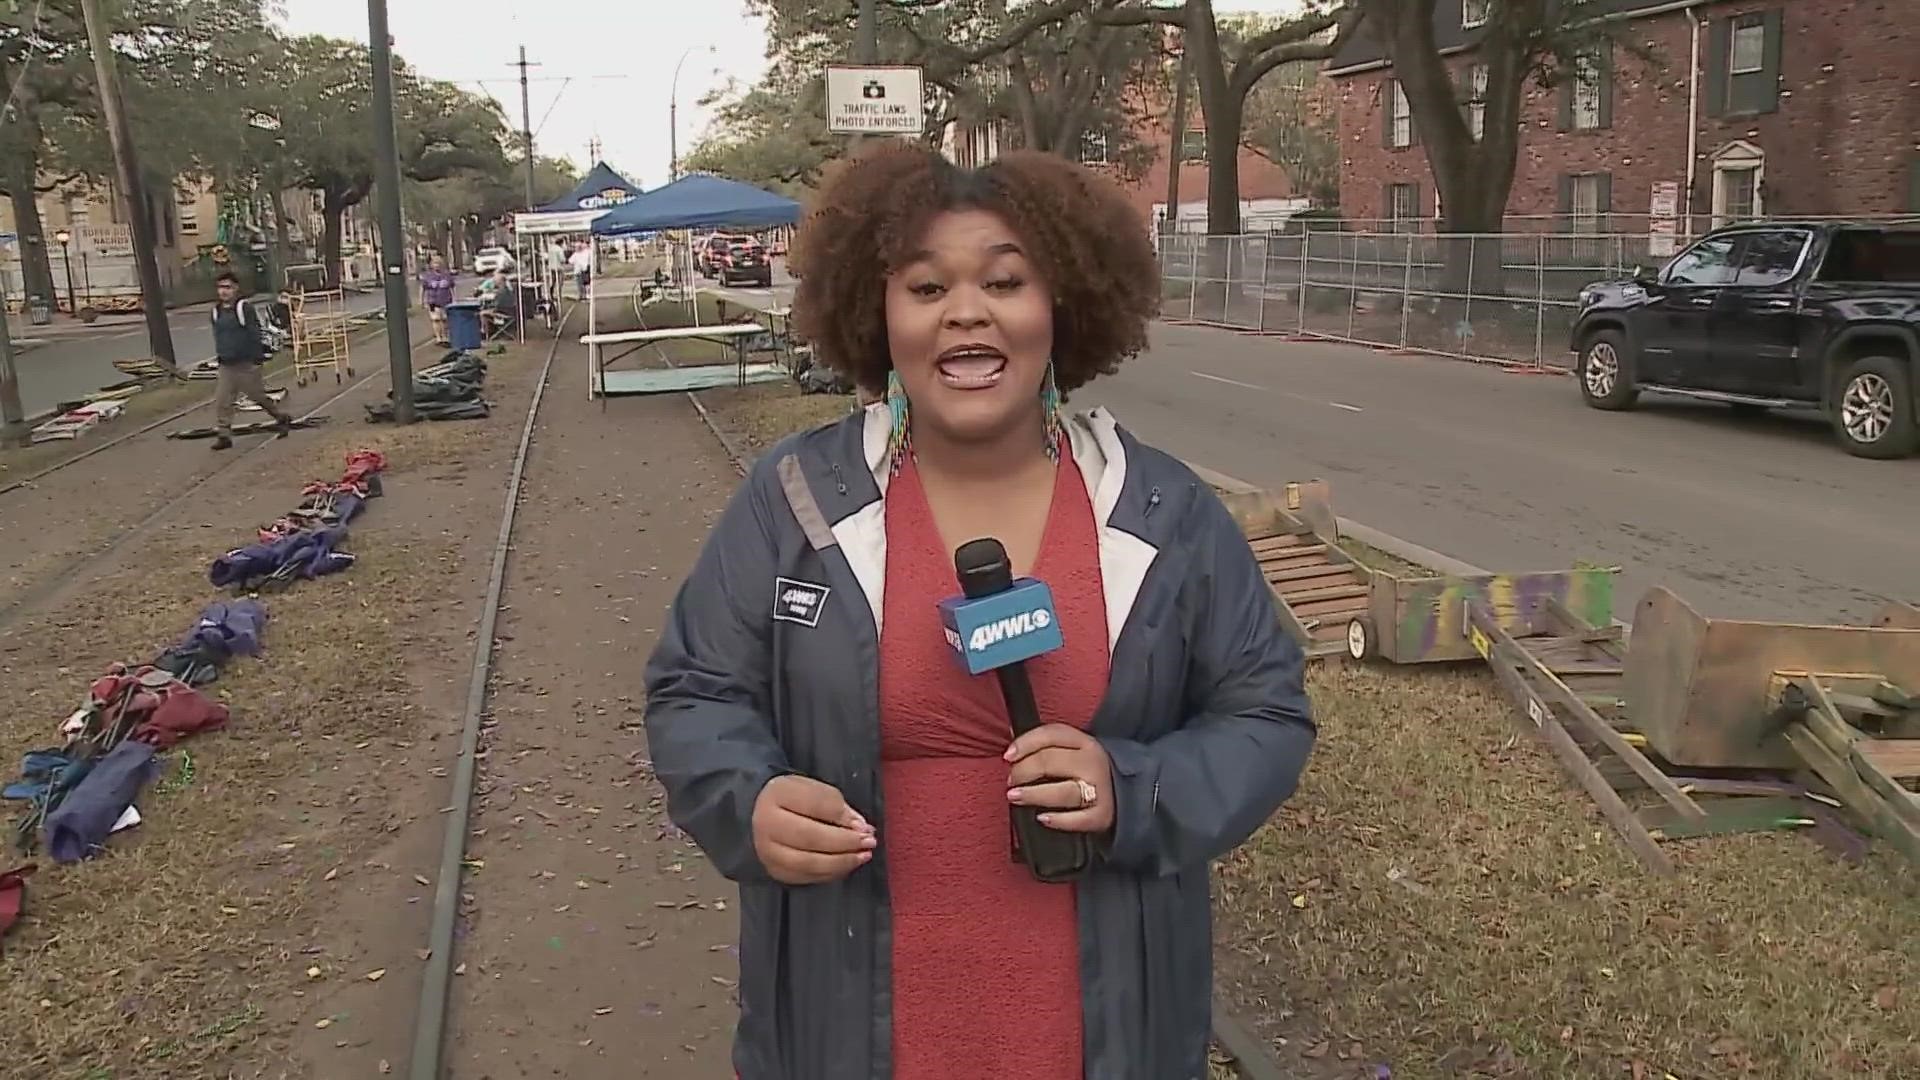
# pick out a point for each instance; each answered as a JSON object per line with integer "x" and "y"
{"x": 1205, "y": 720}
{"x": 236, "y": 334}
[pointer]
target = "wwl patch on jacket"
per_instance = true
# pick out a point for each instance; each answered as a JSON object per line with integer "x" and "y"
{"x": 798, "y": 601}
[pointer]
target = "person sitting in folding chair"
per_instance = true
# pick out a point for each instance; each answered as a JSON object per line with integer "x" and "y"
{"x": 499, "y": 314}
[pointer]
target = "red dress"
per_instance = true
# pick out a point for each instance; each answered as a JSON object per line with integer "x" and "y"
{"x": 986, "y": 960}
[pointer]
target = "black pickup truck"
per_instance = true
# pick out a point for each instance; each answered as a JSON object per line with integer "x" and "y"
{"x": 1773, "y": 315}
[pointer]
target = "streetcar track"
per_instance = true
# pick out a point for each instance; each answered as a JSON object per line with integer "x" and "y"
{"x": 436, "y": 984}
{"x": 28, "y": 481}
{"x": 53, "y": 581}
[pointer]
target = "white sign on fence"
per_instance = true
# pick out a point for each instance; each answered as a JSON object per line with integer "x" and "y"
{"x": 1664, "y": 220}
{"x": 875, "y": 100}
{"x": 106, "y": 241}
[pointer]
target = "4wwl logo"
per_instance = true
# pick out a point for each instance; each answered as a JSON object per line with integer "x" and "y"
{"x": 990, "y": 634}
{"x": 800, "y": 601}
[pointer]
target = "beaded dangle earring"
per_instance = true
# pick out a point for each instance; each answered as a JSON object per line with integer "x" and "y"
{"x": 899, "y": 439}
{"x": 1050, "y": 409}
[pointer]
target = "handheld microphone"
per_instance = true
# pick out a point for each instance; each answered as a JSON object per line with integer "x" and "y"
{"x": 998, "y": 625}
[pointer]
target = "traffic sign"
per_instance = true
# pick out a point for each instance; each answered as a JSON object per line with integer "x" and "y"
{"x": 863, "y": 100}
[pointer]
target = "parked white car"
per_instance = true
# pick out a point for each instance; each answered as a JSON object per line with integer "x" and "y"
{"x": 490, "y": 259}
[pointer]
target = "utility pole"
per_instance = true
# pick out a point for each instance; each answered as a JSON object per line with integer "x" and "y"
{"x": 526, "y": 121}
{"x": 1177, "y": 132}
{"x": 866, "y": 50}
{"x": 673, "y": 114}
{"x": 386, "y": 172}
{"x": 13, "y": 422}
{"x": 159, "y": 332}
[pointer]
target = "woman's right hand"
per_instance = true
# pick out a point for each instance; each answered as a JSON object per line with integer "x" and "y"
{"x": 805, "y": 833}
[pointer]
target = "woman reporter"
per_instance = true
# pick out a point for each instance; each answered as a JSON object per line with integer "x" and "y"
{"x": 816, "y": 737}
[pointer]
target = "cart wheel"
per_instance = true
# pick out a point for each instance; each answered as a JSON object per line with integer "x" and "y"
{"x": 337, "y": 378}
{"x": 1360, "y": 643}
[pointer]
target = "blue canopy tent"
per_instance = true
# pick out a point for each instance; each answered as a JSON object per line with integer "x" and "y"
{"x": 600, "y": 189}
{"x": 699, "y": 201}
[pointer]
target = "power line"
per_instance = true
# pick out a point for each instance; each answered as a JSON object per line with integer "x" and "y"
{"x": 542, "y": 125}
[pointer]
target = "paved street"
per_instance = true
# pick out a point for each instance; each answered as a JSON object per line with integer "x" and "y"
{"x": 70, "y": 366}
{"x": 1761, "y": 518}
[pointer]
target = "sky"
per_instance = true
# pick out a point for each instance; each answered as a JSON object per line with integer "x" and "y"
{"x": 606, "y": 66}
{"x": 619, "y": 56}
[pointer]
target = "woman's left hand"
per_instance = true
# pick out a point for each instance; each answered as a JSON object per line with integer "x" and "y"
{"x": 1064, "y": 773}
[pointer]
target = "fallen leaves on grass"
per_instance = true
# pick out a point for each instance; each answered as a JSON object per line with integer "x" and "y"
{"x": 1535, "y": 945}
{"x": 759, "y": 416}
{"x": 166, "y": 955}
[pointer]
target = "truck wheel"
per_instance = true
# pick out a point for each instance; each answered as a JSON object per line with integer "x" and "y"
{"x": 1605, "y": 372}
{"x": 1873, "y": 409}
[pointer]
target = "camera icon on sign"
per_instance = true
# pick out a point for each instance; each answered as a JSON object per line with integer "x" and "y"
{"x": 873, "y": 90}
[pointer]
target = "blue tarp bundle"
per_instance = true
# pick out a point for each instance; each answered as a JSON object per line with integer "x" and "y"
{"x": 304, "y": 555}
{"x": 225, "y": 629}
{"x": 80, "y": 824}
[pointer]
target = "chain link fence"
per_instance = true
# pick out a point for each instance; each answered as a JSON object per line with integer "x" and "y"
{"x": 1508, "y": 297}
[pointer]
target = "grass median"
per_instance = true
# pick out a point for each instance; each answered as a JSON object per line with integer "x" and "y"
{"x": 1440, "y": 901}
{"x": 184, "y": 948}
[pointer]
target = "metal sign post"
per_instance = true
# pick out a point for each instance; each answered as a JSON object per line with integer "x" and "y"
{"x": 13, "y": 422}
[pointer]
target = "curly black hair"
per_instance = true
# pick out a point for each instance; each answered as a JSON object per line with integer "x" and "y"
{"x": 1089, "y": 245}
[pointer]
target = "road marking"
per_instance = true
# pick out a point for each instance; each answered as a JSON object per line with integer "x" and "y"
{"x": 1229, "y": 382}
{"x": 1282, "y": 393}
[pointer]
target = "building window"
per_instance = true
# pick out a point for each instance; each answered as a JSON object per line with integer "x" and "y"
{"x": 1193, "y": 146}
{"x": 1739, "y": 196}
{"x": 1586, "y": 92}
{"x": 1093, "y": 148}
{"x": 1744, "y": 64}
{"x": 189, "y": 217}
{"x": 1586, "y": 202}
{"x": 1399, "y": 116}
{"x": 1477, "y": 101}
{"x": 1474, "y": 13}
{"x": 1749, "y": 51}
{"x": 1403, "y": 207}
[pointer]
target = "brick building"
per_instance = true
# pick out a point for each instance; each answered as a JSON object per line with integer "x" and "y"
{"x": 1739, "y": 108}
{"x": 1266, "y": 190}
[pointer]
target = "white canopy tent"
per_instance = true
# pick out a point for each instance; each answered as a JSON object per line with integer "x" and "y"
{"x": 592, "y": 198}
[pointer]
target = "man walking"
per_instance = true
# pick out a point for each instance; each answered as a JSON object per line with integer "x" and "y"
{"x": 237, "y": 345}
